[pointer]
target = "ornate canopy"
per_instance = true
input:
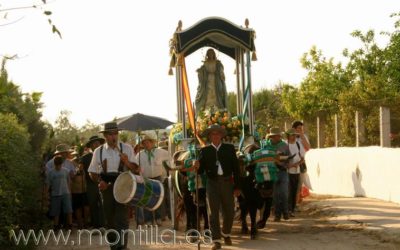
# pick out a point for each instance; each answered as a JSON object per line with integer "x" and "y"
{"x": 215, "y": 32}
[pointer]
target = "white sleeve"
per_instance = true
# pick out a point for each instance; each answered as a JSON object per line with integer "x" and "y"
{"x": 129, "y": 152}
{"x": 94, "y": 166}
{"x": 302, "y": 150}
{"x": 164, "y": 155}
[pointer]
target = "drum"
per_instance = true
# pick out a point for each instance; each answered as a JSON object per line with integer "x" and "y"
{"x": 138, "y": 191}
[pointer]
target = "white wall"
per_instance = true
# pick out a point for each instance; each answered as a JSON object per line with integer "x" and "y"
{"x": 365, "y": 171}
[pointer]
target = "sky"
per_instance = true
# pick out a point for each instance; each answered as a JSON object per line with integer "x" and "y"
{"x": 113, "y": 58}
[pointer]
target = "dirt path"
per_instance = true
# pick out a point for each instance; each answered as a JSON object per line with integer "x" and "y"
{"x": 321, "y": 223}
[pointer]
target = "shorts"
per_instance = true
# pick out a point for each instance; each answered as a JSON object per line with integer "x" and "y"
{"x": 79, "y": 200}
{"x": 57, "y": 202}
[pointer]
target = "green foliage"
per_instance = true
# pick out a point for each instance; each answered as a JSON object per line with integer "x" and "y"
{"x": 20, "y": 186}
{"x": 66, "y": 132}
{"x": 268, "y": 107}
{"x": 39, "y": 7}
{"x": 370, "y": 79}
{"x": 22, "y": 138}
{"x": 26, "y": 107}
{"x": 232, "y": 103}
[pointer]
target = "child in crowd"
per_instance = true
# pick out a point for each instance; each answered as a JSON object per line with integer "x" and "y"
{"x": 58, "y": 181}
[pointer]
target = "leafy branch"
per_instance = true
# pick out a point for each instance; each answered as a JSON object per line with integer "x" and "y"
{"x": 39, "y": 6}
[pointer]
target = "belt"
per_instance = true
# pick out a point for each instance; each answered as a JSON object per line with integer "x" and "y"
{"x": 109, "y": 177}
{"x": 223, "y": 178}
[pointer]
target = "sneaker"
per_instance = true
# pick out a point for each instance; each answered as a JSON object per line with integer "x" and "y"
{"x": 228, "y": 241}
{"x": 216, "y": 246}
{"x": 286, "y": 216}
{"x": 291, "y": 214}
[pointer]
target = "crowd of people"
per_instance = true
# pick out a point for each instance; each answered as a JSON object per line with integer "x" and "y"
{"x": 80, "y": 188}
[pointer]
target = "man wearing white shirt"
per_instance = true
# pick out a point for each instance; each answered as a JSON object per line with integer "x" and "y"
{"x": 301, "y": 137}
{"x": 151, "y": 163}
{"x": 296, "y": 148}
{"x": 108, "y": 161}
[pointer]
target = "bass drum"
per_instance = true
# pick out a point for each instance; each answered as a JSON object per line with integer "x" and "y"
{"x": 138, "y": 191}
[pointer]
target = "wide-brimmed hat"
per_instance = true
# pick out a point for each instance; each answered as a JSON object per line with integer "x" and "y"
{"x": 291, "y": 131}
{"x": 212, "y": 128}
{"x": 93, "y": 139}
{"x": 62, "y": 148}
{"x": 148, "y": 138}
{"x": 163, "y": 144}
{"x": 110, "y": 127}
{"x": 274, "y": 131}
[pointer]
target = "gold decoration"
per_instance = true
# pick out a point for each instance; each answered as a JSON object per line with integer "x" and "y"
{"x": 246, "y": 23}
{"x": 254, "y": 56}
{"x": 170, "y": 72}
{"x": 172, "y": 62}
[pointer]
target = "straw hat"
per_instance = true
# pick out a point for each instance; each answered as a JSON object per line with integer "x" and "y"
{"x": 274, "y": 131}
{"x": 291, "y": 131}
{"x": 62, "y": 148}
{"x": 148, "y": 138}
{"x": 163, "y": 144}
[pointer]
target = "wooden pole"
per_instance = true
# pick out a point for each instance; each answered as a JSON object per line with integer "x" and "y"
{"x": 384, "y": 126}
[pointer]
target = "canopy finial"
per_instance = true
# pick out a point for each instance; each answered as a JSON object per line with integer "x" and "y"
{"x": 179, "y": 28}
{"x": 246, "y": 23}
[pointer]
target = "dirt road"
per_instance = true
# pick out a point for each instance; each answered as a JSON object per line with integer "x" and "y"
{"x": 322, "y": 223}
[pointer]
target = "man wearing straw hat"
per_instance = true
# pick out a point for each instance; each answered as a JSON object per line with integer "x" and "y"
{"x": 281, "y": 186}
{"x": 108, "y": 161}
{"x": 218, "y": 160}
{"x": 62, "y": 150}
{"x": 151, "y": 163}
{"x": 96, "y": 208}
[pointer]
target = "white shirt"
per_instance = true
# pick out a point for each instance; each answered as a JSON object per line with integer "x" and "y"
{"x": 112, "y": 156}
{"x": 300, "y": 141}
{"x": 219, "y": 171}
{"x": 295, "y": 150}
{"x": 155, "y": 167}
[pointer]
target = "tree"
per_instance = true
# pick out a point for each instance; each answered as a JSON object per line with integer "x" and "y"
{"x": 372, "y": 85}
{"x": 232, "y": 103}
{"x": 319, "y": 93}
{"x": 26, "y": 107}
{"x": 268, "y": 107}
